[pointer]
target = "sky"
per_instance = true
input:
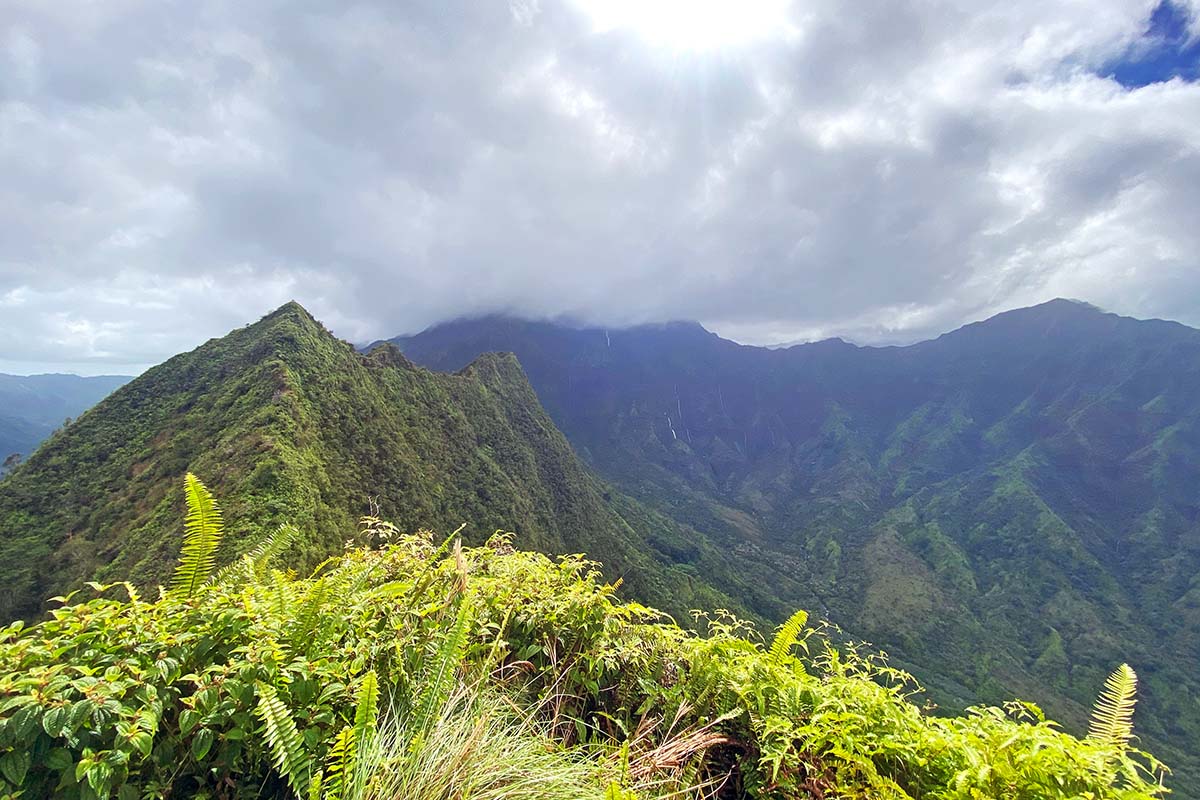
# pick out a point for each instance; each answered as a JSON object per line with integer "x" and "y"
{"x": 880, "y": 171}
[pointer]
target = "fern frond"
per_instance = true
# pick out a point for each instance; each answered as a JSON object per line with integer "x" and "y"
{"x": 202, "y": 532}
{"x": 366, "y": 712}
{"x": 308, "y": 616}
{"x": 272, "y": 546}
{"x": 342, "y": 774}
{"x": 438, "y": 679}
{"x": 786, "y": 638}
{"x": 259, "y": 557}
{"x": 287, "y": 747}
{"x": 1112, "y": 717}
{"x": 341, "y": 765}
{"x": 316, "y": 788}
{"x": 426, "y": 576}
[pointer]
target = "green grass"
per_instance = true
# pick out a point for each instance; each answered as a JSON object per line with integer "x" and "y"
{"x": 479, "y": 746}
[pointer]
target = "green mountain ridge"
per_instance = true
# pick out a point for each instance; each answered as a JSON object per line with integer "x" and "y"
{"x": 1008, "y": 509}
{"x": 287, "y": 423}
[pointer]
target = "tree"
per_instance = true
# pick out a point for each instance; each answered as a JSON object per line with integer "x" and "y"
{"x": 11, "y": 462}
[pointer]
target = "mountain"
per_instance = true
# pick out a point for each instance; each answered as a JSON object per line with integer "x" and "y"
{"x": 1010, "y": 509}
{"x": 288, "y": 423}
{"x": 1007, "y": 509}
{"x": 33, "y": 406}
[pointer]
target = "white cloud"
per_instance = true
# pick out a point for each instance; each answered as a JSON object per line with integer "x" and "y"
{"x": 173, "y": 170}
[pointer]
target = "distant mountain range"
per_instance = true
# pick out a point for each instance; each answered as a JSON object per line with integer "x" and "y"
{"x": 33, "y": 406}
{"x": 1010, "y": 509}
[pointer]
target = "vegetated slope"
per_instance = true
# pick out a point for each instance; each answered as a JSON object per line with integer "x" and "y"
{"x": 288, "y": 422}
{"x": 1008, "y": 509}
{"x": 33, "y": 406}
{"x": 414, "y": 672}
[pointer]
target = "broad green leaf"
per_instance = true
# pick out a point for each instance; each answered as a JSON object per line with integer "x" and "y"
{"x": 201, "y": 743}
{"x": 14, "y": 766}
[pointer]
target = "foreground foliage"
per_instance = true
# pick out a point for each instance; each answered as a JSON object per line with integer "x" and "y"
{"x": 407, "y": 669}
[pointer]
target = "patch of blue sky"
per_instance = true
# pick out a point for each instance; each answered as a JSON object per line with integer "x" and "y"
{"x": 1165, "y": 50}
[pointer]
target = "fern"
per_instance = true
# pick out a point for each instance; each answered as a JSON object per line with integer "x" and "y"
{"x": 339, "y": 775}
{"x": 343, "y": 773}
{"x": 270, "y": 548}
{"x": 786, "y": 638}
{"x": 308, "y": 626}
{"x": 316, "y": 789}
{"x": 366, "y": 714}
{"x": 284, "y": 739}
{"x": 254, "y": 562}
{"x": 202, "y": 532}
{"x": 438, "y": 679}
{"x": 1112, "y": 717}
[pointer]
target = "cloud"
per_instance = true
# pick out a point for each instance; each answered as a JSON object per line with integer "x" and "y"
{"x": 173, "y": 170}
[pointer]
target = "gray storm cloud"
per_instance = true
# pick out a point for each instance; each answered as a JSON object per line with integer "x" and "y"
{"x": 882, "y": 172}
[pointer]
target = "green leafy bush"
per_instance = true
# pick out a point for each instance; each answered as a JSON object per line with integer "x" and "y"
{"x": 390, "y": 664}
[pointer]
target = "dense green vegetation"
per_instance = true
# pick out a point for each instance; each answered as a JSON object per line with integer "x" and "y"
{"x": 402, "y": 668}
{"x": 291, "y": 424}
{"x": 33, "y": 406}
{"x": 1009, "y": 509}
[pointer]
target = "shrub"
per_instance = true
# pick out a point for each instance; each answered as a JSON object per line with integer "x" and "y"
{"x": 390, "y": 664}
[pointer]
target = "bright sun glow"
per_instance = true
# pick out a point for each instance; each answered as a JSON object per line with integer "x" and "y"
{"x": 693, "y": 25}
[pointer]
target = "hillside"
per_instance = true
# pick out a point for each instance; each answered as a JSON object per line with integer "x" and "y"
{"x": 33, "y": 406}
{"x": 1007, "y": 509}
{"x": 288, "y": 422}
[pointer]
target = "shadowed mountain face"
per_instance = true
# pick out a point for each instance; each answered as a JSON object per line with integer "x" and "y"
{"x": 288, "y": 424}
{"x": 1010, "y": 509}
{"x": 33, "y": 406}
